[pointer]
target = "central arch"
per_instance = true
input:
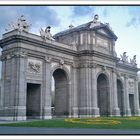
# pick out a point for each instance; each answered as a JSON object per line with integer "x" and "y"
{"x": 103, "y": 95}
{"x": 60, "y": 96}
{"x": 120, "y": 96}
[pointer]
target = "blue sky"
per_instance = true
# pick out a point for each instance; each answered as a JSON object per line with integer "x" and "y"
{"x": 124, "y": 20}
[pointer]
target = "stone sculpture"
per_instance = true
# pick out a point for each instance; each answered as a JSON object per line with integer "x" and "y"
{"x": 46, "y": 34}
{"x": 71, "y": 26}
{"x": 95, "y": 22}
{"x": 21, "y": 25}
{"x": 124, "y": 57}
{"x": 133, "y": 61}
{"x": 34, "y": 67}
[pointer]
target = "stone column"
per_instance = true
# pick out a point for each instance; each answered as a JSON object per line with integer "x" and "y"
{"x": 18, "y": 85}
{"x": 3, "y": 75}
{"x": 47, "y": 112}
{"x": 136, "y": 98}
{"x": 75, "y": 93}
{"x": 84, "y": 91}
{"x": 88, "y": 90}
{"x": 95, "y": 109}
{"x": 126, "y": 97}
{"x": 2, "y": 83}
{"x": 116, "y": 110}
{"x": 70, "y": 99}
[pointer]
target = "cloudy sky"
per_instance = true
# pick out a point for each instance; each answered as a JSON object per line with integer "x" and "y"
{"x": 124, "y": 20}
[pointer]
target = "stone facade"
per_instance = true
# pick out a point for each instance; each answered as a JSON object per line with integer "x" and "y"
{"x": 90, "y": 80}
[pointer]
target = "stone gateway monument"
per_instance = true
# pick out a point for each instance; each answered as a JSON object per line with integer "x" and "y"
{"x": 90, "y": 80}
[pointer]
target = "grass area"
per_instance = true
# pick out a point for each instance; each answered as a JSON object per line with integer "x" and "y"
{"x": 100, "y": 123}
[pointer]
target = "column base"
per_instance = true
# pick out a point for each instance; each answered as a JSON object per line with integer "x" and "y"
{"x": 13, "y": 113}
{"x": 47, "y": 113}
{"x": 47, "y": 117}
{"x": 137, "y": 112}
{"x": 20, "y": 118}
{"x": 75, "y": 112}
{"x": 95, "y": 112}
{"x": 85, "y": 112}
{"x": 7, "y": 118}
{"x": 128, "y": 112}
{"x": 116, "y": 112}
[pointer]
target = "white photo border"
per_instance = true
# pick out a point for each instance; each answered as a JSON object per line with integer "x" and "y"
{"x": 67, "y": 3}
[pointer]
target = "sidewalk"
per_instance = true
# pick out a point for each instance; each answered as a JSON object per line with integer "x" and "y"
{"x": 4, "y": 130}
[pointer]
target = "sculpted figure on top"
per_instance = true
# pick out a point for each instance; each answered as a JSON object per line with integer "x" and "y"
{"x": 133, "y": 61}
{"x": 46, "y": 34}
{"x": 21, "y": 25}
{"x": 95, "y": 22}
{"x": 124, "y": 57}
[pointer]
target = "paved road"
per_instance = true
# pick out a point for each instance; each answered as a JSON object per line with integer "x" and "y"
{"x": 24, "y": 130}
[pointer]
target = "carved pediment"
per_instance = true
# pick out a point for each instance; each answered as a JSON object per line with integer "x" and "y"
{"x": 104, "y": 32}
{"x": 107, "y": 31}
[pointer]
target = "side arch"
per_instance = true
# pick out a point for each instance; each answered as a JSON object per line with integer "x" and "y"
{"x": 61, "y": 93}
{"x": 105, "y": 73}
{"x": 103, "y": 94}
{"x": 63, "y": 68}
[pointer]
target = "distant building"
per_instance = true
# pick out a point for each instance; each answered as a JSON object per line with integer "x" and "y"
{"x": 90, "y": 80}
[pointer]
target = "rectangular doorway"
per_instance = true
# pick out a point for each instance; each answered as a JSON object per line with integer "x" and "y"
{"x": 33, "y": 101}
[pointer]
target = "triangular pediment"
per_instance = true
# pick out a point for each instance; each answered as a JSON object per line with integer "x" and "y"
{"x": 104, "y": 32}
{"x": 103, "y": 29}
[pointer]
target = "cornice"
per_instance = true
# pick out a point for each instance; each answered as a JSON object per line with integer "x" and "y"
{"x": 127, "y": 67}
{"x": 97, "y": 54}
{"x": 34, "y": 42}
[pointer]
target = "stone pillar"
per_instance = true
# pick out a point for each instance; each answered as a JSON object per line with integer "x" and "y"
{"x": 70, "y": 99}
{"x": 84, "y": 92}
{"x": 8, "y": 89}
{"x": 88, "y": 90}
{"x": 136, "y": 98}
{"x": 126, "y": 97}
{"x": 47, "y": 110}
{"x": 116, "y": 110}
{"x": 95, "y": 109}
{"x": 2, "y": 84}
{"x": 20, "y": 83}
{"x": 14, "y": 86}
{"x": 75, "y": 93}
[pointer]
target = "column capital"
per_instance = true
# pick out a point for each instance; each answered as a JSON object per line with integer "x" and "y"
{"x": 3, "y": 57}
{"x": 18, "y": 54}
{"x": 87, "y": 65}
{"x": 126, "y": 76}
{"x": 48, "y": 59}
{"x": 75, "y": 65}
{"x": 114, "y": 70}
{"x": 94, "y": 65}
{"x": 136, "y": 78}
{"x": 104, "y": 68}
{"x": 119, "y": 74}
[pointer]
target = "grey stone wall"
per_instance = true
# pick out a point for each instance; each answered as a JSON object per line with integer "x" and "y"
{"x": 83, "y": 56}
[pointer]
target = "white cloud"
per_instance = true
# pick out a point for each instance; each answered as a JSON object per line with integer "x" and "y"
{"x": 60, "y": 17}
